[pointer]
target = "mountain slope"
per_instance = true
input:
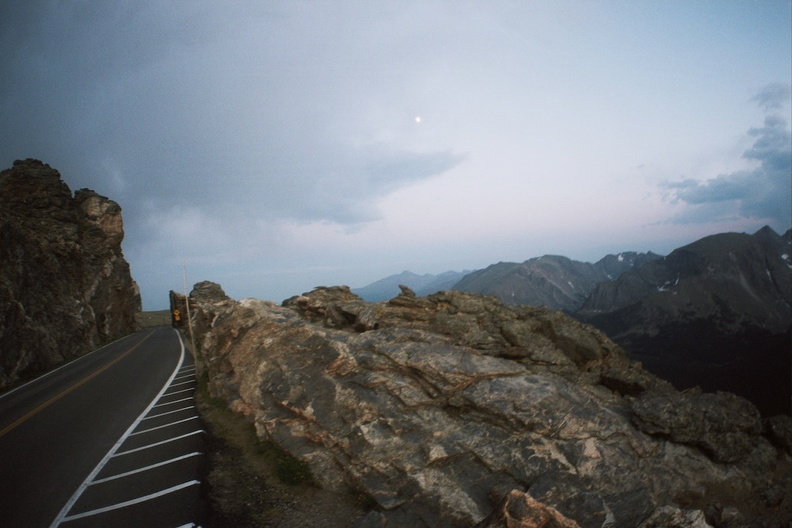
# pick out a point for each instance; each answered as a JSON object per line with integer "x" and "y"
{"x": 714, "y": 313}
{"x": 553, "y": 281}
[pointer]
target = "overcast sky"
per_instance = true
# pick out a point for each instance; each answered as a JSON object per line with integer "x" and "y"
{"x": 274, "y": 146}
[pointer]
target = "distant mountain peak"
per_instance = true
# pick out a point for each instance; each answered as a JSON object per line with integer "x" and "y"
{"x": 766, "y": 230}
{"x": 712, "y": 313}
{"x": 724, "y": 292}
{"x": 555, "y": 281}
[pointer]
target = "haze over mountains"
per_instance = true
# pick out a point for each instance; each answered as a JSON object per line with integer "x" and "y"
{"x": 714, "y": 313}
{"x": 551, "y": 280}
{"x": 387, "y": 288}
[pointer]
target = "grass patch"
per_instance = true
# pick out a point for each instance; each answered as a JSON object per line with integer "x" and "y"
{"x": 155, "y": 318}
{"x": 241, "y": 434}
{"x": 289, "y": 470}
{"x": 243, "y": 488}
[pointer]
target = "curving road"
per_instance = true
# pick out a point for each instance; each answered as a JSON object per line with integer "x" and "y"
{"x": 110, "y": 439}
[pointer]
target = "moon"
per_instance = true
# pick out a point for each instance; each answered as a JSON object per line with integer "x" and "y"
{"x": 417, "y": 119}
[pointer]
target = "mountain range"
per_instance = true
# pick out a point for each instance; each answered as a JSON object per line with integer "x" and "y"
{"x": 551, "y": 280}
{"x": 715, "y": 313}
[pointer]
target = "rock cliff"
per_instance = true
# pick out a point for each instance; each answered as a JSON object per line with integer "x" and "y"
{"x": 455, "y": 410}
{"x": 65, "y": 287}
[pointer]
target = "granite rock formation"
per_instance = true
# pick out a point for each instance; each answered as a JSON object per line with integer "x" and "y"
{"x": 65, "y": 287}
{"x": 455, "y": 410}
{"x": 426, "y": 284}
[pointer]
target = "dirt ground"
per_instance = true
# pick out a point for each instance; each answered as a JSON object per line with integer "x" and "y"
{"x": 252, "y": 484}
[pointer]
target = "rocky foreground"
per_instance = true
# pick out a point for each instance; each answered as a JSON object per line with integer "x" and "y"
{"x": 65, "y": 287}
{"x": 455, "y": 410}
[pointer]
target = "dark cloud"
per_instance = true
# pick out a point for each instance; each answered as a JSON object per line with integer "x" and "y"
{"x": 200, "y": 108}
{"x": 215, "y": 127}
{"x": 343, "y": 185}
{"x": 724, "y": 188}
{"x": 762, "y": 193}
{"x": 773, "y": 96}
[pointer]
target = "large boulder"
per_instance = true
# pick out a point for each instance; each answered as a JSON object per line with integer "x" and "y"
{"x": 208, "y": 292}
{"x": 454, "y": 409}
{"x": 520, "y": 510}
{"x": 722, "y": 424}
{"x": 65, "y": 287}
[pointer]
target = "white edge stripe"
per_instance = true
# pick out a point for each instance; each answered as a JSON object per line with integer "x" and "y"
{"x": 133, "y": 501}
{"x": 172, "y": 402}
{"x": 152, "y": 466}
{"x": 162, "y": 442}
{"x": 59, "y": 519}
{"x": 171, "y": 424}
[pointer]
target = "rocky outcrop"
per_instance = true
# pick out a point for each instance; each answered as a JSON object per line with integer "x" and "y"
{"x": 455, "y": 410}
{"x": 520, "y": 510}
{"x": 208, "y": 292}
{"x": 387, "y": 288}
{"x": 65, "y": 287}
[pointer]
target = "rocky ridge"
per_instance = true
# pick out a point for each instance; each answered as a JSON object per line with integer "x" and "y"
{"x": 426, "y": 284}
{"x": 554, "y": 281}
{"x": 65, "y": 287}
{"x": 715, "y": 313}
{"x": 734, "y": 278}
{"x": 456, "y": 410}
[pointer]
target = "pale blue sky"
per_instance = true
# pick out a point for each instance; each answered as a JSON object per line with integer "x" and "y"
{"x": 274, "y": 146}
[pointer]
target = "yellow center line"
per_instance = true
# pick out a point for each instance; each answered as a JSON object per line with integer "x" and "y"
{"x": 75, "y": 386}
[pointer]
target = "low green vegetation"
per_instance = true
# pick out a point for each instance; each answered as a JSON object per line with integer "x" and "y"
{"x": 241, "y": 433}
{"x": 289, "y": 469}
{"x": 254, "y": 483}
{"x": 155, "y": 318}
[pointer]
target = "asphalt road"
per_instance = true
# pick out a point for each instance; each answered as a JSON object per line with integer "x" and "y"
{"x": 110, "y": 439}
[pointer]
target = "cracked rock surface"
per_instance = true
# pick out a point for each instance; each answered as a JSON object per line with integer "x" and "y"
{"x": 455, "y": 410}
{"x": 65, "y": 287}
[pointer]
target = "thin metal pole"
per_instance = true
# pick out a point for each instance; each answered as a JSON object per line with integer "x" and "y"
{"x": 189, "y": 315}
